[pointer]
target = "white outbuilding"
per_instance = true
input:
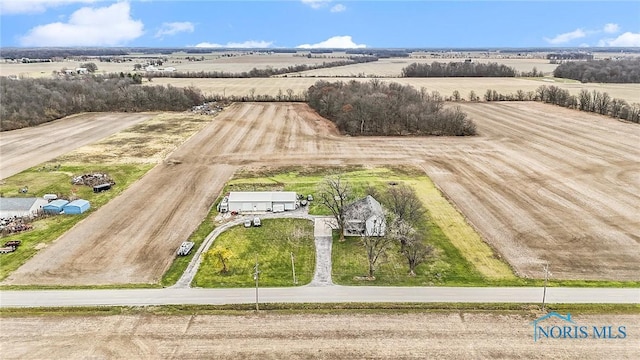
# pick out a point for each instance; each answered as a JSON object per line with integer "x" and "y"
{"x": 262, "y": 201}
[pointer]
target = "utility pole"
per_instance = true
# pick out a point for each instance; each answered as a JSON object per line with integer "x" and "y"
{"x": 546, "y": 278}
{"x": 293, "y": 268}
{"x": 256, "y": 277}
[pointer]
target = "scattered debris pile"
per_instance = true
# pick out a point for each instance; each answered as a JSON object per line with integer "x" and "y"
{"x": 210, "y": 108}
{"x": 14, "y": 225}
{"x": 92, "y": 179}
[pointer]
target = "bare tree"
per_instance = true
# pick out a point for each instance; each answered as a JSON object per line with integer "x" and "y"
{"x": 376, "y": 246}
{"x": 412, "y": 246}
{"x": 416, "y": 253}
{"x": 335, "y": 194}
{"x": 403, "y": 202}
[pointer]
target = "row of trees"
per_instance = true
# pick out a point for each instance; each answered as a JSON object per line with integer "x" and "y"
{"x": 405, "y": 218}
{"x": 603, "y": 71}
{"x": 29, "y": 102}
{"x": 458, "y": 69}
{"x": 259, "y": 73}
{"x": 590, "y": 101}
{"x": 377, "y": 108}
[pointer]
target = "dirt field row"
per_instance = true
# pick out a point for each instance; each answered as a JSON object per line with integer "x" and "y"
{"x": 24, "y": 148}
{"x": 346, "y": 336}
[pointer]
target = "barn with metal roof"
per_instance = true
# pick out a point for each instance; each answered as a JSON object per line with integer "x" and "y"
{"x": 10, "y": 207}
{"x": 76, "y": 207}
{"x": 262, "y": 201}
{"x": 55, "y": 207}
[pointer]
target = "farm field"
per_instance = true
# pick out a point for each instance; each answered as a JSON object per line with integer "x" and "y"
{"x": 393, "y": 67}
{"x": 540, "y": 183}
{"x": 302, "y": 336}
{"x": 212, "y": 62}
{"x": 445, "y": 86}
{"x": 24, "y": 148}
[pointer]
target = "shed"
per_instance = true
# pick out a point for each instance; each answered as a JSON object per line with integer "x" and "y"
{"x": 55, "y": 207}
{"x": 261, "y": 201}
{"x": 76, "y": 207}
{"x": 364, "y": 217}
{"x": 10, "y": 207}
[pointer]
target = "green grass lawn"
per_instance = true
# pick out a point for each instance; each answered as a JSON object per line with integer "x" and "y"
{"x": 273, "y": 243}
{"x": 447, "y": 267}
{"x": 42, "y": 182}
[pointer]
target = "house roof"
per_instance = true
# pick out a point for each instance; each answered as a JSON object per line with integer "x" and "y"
{"x": 262, "y": 196}
{"x": 364, "y": 209}
{"x": 17, "y": 204}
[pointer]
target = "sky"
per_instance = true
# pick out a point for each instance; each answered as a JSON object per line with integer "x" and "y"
{"x": 319, "y": 23}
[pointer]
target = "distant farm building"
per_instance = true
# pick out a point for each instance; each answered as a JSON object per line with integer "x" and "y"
{"x": 55, "y": 207}
{"x": 20, "y": 207}
{"x": 365, "y": 217}
{"x": 76, "y": 207}
{"x": 262, "y": 201}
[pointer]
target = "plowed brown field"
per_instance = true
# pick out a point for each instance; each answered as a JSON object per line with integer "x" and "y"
{"x": 308, "y": 336}
{"x": 540, "y": 183}
{"x": 24, "y": 148}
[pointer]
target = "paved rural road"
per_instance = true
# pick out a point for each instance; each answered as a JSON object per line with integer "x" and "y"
{"x": 308, "y": 294}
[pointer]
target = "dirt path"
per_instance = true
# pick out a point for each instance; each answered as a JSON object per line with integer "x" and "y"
{"x": 540, "y": 183}
{"x": 465, "y": 335}
{"x": 24, "y": 148}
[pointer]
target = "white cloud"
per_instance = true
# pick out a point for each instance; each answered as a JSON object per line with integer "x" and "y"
{"x": 566, "y": 37}
{"x": 627, "y": 39}
{"x": 251, "y": 44}
{"x": 10, "y": 7}
{"x": 338, "y": 8}
{"x": 336, "y": 42}
{"x": 316, "y": 4}
{"x": 611, "y": 28}
{"x": 106, "y": 26}
{"x": 174, "y": 28}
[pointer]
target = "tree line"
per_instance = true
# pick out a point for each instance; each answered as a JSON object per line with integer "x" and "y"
{"x": 603, "y": 71}
{"x": 29, "y": 102}
{"x": 377, "y": 108}
{"x": 458, "y": 69}
{"x": 590, "y": 101}
{"x": 260, "y": 73}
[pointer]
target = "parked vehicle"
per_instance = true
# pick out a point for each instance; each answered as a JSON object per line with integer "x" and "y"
{"x": 185, "y": 248}
{"x": 256, "y": 221}
{"x": 247, "y": 223}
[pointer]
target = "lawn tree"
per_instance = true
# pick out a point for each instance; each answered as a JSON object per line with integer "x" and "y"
{"x": 376, "y": 247}
{"x": 335, "y": 194}
{"x": 412, "y": 246}
{"x": 403, "y": 202}
{"x": 221, "y": 256}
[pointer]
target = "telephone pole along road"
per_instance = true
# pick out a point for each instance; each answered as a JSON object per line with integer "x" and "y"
{"x": 314, "y": 294}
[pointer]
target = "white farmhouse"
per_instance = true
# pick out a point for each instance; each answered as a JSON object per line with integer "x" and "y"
{"x": 365, "y": 217}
